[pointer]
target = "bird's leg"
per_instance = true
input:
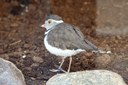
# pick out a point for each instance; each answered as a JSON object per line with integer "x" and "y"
{"x": 59, "y": 69}
{"x": 61, "y": 63}
{"x": 70, "y": 62}
{"x": 63, "y": 59}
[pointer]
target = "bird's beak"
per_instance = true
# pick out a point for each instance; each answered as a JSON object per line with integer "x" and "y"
{"x": 42, "y": 25}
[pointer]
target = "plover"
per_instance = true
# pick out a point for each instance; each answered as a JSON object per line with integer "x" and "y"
{"x": 64, "y": 40}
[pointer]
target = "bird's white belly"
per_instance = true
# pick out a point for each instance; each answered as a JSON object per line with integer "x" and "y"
{"x": 60, "y": 52}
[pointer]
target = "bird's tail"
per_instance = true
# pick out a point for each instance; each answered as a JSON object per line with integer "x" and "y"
{"x": 102, "y": 51}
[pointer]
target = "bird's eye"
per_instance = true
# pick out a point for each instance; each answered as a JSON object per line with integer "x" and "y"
{"x": 49, "y": 21}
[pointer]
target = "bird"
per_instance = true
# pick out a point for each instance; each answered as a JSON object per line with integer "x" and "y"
{"x": 64, "y": 40}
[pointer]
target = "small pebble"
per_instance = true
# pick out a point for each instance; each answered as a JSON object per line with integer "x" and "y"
{"x": 24, "y": 56}
{"x": 37, "y": 59}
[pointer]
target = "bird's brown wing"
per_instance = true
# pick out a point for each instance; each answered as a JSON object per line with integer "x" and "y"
{"x": 66, "y": 36}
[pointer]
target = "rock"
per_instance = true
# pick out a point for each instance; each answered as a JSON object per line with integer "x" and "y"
{"x": 10, "y": 74}
{"x": 120, "y": 66}
{"x": 37, "y": 59}
{"x": 26, "y": 45}
{"x": 112, "y": 17}
{"x": 94, "y": 77}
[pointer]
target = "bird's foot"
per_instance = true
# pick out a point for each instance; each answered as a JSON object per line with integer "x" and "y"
{"x": 59, "y": 70}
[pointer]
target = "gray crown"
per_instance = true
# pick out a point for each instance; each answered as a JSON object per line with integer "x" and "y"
{"x": 55, "y": 17}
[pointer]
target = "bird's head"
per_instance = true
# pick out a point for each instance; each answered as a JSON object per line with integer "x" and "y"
{"x": 51, "y": 21}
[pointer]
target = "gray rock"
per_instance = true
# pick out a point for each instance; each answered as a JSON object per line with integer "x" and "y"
{"x": 94, "y": 77}
{"x": 112, "y": 17}
{"x": 10, "y": 74}
{"x": 120, "y": 66}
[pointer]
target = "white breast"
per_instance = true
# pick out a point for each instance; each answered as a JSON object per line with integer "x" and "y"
{"x": 60, "y": 52}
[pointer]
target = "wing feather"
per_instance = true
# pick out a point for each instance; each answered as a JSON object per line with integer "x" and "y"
{"x": 66, "y": 36}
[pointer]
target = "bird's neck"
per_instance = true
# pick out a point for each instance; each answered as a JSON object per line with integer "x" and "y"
{"x": 58, "y": 22}
{"x": 47, "y": 31}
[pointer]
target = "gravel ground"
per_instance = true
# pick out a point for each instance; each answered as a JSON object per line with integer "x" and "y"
{"x": 21, "y": 39}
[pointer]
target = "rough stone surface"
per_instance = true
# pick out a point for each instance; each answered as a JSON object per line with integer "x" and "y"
{"x": 10, "y": 74}
{"x": 94, "y": 77}
{"x": 120, "y": 66}
{"x": 112, "y": 17}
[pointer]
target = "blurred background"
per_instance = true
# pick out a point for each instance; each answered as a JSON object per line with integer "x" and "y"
{"x": 103, "y": 22}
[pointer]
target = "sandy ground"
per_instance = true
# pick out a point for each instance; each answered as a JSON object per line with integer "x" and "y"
{"x": 21, "y": 39}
